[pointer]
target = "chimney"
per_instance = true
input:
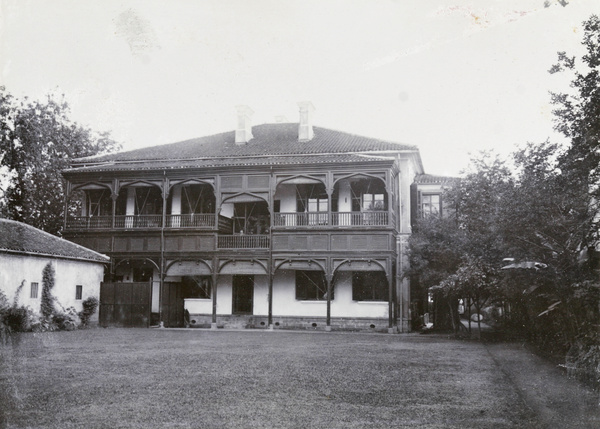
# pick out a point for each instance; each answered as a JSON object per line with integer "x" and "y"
{"x": 243, "y": 132}
{"x": 305, "y": 127}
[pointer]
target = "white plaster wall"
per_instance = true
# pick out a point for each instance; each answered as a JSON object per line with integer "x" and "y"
{"x": 130, "y": 209}
{"x": 286, "y": 304}
{"x": 84, "y": 204}
{"x": 198, "y": 306}
{"x": 227, "y": 210}
{"x": 286, "y": 194}
{"x": 67, "y": 275}
{"x": 345, "y": 197}
{"x": 261, "y": 296}
{"x": 176, "y": 200}
{"x": 284, "y": 298}
{"x": 155, "y": 291}
{"x": 224, "y": 295}
{"x": 344, "y": 306}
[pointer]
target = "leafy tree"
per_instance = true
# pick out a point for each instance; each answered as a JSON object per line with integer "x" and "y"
{"x": 476, "y": 282}
{"x": 38, "y": 140}
{"x": 577, "y": 115}
{"x": 435, "y": 253}
{"x": 448, "y": 254}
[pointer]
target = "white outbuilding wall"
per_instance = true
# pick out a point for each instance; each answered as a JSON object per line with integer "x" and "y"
{"x": 68, "y": 274}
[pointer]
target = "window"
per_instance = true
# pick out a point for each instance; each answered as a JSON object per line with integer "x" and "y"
{"x": 197, "y": 199}
{"x": 312, "y": 200}
{"x": 78, "y": 291}
{"x": 368, "y": 195}
{"x": 34, "y": 290}
{"x": 148, "y": 201}
{"x": 142, "y": 274}
{"x": 369, "y": 286}
{"x": 373, "y": 202}
{"x": 431, "y": 205}
{"x": 311, "y": 286}
{"x": 197, "y": 287}
{"x": 251, "y": 218}
{"x": 99, "y": 202}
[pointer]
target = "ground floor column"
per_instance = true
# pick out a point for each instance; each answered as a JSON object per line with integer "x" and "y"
{"x": 215, "y": 278}
{"x": 328, "y": 279}
{"x": 270, "y": 296}
{"x": 390, "y": 303}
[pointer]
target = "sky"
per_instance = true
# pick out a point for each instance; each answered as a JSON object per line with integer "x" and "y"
{"x": 451, "y": 77}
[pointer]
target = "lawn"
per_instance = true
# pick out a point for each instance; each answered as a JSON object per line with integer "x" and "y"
{"x": 151, "y": 378}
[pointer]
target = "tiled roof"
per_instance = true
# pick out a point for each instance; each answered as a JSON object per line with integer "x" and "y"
{"x": 17, "y": 237}
{"x": 268, "y": 140}
{"x": 229, "y": 162}
{"x": 430, "y": 179}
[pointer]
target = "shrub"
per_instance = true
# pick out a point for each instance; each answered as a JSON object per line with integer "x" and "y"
{"x": 17, "y": 318}
{"x": 18, "y": 293}
{"x": 13, "y": 318}
{"x": 89, "y": 308}
{"x": 47, "y": 302}
{"x": 583, "y": 363}
{"x": 67, "y": 320}
{"x": 3, "y": 303}
{"x": 3, "y": 308}
{"x": 40, "y": 323}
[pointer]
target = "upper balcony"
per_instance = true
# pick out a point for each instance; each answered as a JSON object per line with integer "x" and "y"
{"x": 297, "y": 203}
{"x": 336, "y": 220}
{"x": 197, "y": 221}
{"x": 204, "y": 221}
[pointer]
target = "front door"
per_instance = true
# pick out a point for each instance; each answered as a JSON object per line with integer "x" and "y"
{"x": 243, "y": 294}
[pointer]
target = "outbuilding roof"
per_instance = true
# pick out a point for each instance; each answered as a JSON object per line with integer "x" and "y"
{"x": 430, "y": 179}
{"x": 17, "y": 237}
{"x": 271, "y": 144}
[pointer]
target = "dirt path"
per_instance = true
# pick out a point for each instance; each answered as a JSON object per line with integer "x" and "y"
{"x": 558, "y": 401}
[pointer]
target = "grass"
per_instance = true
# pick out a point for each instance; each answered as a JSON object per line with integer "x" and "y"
{"x": 142, "y": 378}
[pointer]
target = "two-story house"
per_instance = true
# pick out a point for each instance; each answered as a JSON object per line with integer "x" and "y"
{"x": 276, "y": 225}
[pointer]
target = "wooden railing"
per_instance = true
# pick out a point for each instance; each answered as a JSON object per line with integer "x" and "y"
{"x": 200, "y": 220}
{"x": 207, "y": 220}
{"x": 372, "y": 218}
{"x": 89, "y": 222}
{"x": 300, "y": 219}
{"x": 138, "y": 221}
{"x": 243, "y": 242}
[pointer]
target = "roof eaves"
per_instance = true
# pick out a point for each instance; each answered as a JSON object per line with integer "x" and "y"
{"x": 102, "y": 259}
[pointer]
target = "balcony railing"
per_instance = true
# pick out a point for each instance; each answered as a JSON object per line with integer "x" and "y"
{"x": 207, "y": 221}
{"x": 243, "y": 242}
{"x": 89, "y": 222}
{"x": 198, "y": 220}
{"x": 300, "y": 219}
{"x": 138, "y": 221}
{"x": 371, "y": 218}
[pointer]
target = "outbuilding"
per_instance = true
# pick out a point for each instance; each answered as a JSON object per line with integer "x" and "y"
{"x": 25, "y": 251}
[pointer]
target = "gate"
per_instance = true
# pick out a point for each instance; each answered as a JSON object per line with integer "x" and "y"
{"x": 171, "y": 298}
{"x": 125, "y": 304}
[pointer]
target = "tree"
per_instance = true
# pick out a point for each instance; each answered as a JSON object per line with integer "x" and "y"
{"x": 448, "y": 254}
{"x": 577, "y": 115}
{"x": 38, "y": 140}
{"x": 435, "y": 252}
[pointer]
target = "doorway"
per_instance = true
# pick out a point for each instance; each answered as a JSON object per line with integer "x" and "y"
{"x": 243, "y": 294}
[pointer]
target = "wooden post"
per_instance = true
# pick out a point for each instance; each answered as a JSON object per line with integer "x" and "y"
{"x": 270, "y": 297}
{"x": 390, "y": 303}
{"x": 215, "y": 278}
{"x": 328, "y": 279}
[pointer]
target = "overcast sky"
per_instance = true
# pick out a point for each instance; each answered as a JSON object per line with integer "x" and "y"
{"x": 451, "y": 77}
